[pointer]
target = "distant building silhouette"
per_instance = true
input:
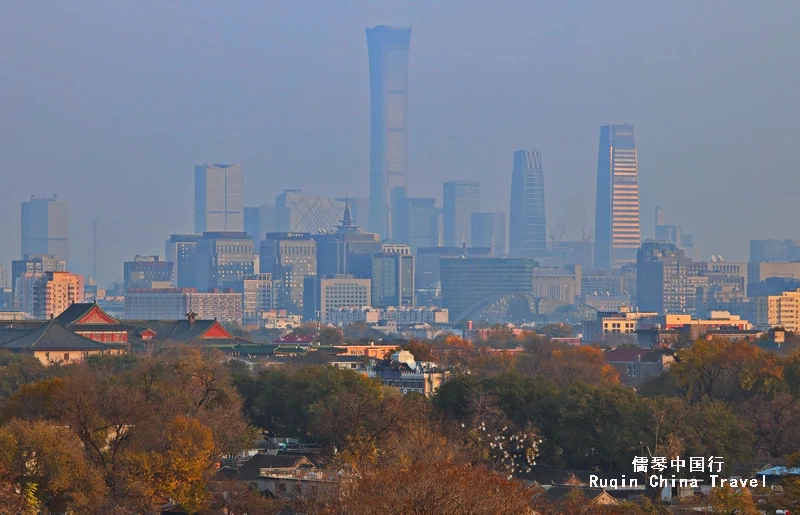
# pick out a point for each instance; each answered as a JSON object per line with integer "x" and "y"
{"x": 617, "y": 225}
{"x": 388, "y": 50}
{"x": 296, "y": 211}
{"x": 527, "y": 230}
{"x": 489, "y": 230}
{"x": 218, "y": 193}
{"x": 45, "y": 227}
{"x": 415, "y": 222}
{"x": 147, "y": 272}
{"x": 459, "y": 200}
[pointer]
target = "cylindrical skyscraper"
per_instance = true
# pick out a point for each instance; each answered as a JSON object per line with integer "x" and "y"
{"x": 388, "y": 154}
{"x": 527, "y": 230}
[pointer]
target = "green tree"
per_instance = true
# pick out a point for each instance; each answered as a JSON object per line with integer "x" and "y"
{"x": 331, "y": 336}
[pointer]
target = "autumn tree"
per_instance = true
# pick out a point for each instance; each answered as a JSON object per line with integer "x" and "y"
{"x": 435, "y": 488}
{"x": 330, "y": 336}
{"x": 47, "y": 467}
{"x": 728, "y": 501}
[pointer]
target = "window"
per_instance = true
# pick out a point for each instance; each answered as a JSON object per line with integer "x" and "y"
{"x": 66, "y": 356}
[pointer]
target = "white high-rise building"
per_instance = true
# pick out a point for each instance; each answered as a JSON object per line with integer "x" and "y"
{"x": 218, "y": 198}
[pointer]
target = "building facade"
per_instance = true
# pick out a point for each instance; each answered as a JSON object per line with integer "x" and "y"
{"x": 392, "y": 279}
{"x": 218, "y": 198}
{"x": 296, "y": 211}
{"x": 348, "y": 250}
{"x": 459, "y": 200}
{"x": 25, "y": 271}
{"x": 426, "y": 264}
{"x": 563, "y": 284}
{"x": 388, "y": 50}
{"x": 468, "y": 281}
{"x": 779, "y": 311}
{"x": 147, "y": 272}
{"x": 527, "y": 229}
{"x": 54, "y": 292}
{"x": 223, "y": 259}
{"x": 342, "y": 292}
{"x": 617, "y": 225}
{"x": 489, "y": 231}
{"x": 45, "y": 227}
{"x": 181, "y": 251}
{"x": 290, "y": 258}
{"x": 175, "y": 303}
{"x": 662, "y": 279}
{"x": 415, "y": 222}
{"x": 258, "y": 295}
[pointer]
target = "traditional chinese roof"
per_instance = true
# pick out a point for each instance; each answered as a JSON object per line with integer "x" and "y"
{"x": 207, "y": 332}
{"x": 85, "y": 313}
{"x": 52, "y": 336}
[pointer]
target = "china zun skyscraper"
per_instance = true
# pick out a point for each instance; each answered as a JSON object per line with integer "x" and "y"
{"x": 388, "y": 50}
{"x": 617, "y": 230}
{"x": 527, "y": 231}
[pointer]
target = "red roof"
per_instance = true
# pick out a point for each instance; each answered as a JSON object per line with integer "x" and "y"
{"x": 293, "y": 338}
{"x": 626, "y": 355}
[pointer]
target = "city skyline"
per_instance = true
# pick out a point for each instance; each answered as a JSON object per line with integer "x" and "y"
{"x": 285, "y": 127}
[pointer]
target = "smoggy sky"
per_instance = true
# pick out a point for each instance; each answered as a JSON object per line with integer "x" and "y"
{"x": 110, "y": 104}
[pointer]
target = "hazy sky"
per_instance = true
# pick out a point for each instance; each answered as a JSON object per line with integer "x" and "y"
{"x": 109, "y": 104}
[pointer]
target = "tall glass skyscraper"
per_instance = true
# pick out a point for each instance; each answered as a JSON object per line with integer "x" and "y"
{"x": 388, "y": 80}
{"x": 527, "y": 230}
{"x": 218, "y": 198}
{"x": 617, "y": 231}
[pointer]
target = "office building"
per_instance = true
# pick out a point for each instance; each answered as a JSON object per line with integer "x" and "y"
{"x": 779, "y": 311}
{"x": 426, "y": 263}
{"x": 348, "y": 250}
{"x": 258, "y": 295}
{"x": 223, "y": 259}
{"x": 388, "y": 50}
{"x": 147, "y": 272}
{"x": 175, "y": 303}
{"x": 459, "y": 200}
{"x": 437, "y": 232}
{"x": 24, "y": 271}
{"x": 3, "y": 277}
{"x": 415, "y": 220}
{"x": 489, "y": 230}
{"x": 342, "y": 291}
{"x": 562, "y": 284}
{"x": 393, "y": 277}
{"x": 218, "y": 198}
{"x": 290, "y": 258}
{"x": 617, "y": 229}
{"x": 297, "y": 212}
{"x": 54, "y": 292}
{"x": 258, "y": 221}
{"x": 468, "y": 281}
{"x": 662, "y": 279}
{"x": 181, "y": 251}
{"x": 45, "y": 227}
{"x": 527, "y": 230}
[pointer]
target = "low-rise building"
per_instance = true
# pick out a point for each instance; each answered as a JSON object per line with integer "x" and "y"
{"x": 611, "y": 324}
{"x": 637, "y": 366}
